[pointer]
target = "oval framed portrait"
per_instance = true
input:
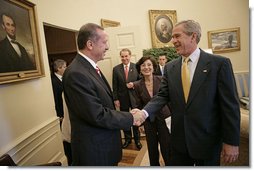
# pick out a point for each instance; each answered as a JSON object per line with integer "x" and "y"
{"x": 162, "y": 22}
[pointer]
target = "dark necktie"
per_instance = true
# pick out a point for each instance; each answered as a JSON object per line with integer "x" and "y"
{"x": 14, "y": 41}
{"x": 98, "y": 71}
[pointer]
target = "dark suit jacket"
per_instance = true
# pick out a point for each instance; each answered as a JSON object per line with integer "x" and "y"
{"x": 95, "y": 124}
{"x": 158, "y": 70}
{"x": 211, "y": 114}
{"x": 142, "y": 96}
{"x": 120, "y": 90}
{"x": 57, "y": 90}
{"x": 10, "y": 61}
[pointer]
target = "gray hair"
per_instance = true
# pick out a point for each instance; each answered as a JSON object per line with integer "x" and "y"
{"x": 58, "y": 63}
{"x": 191, "y": 26}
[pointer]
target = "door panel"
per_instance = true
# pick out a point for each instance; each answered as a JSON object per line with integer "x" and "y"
{"x": 119, "y": 38}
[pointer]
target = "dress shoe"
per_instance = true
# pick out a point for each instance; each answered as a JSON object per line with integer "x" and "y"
{"x": 126, "y": 144}
{"x": 139, "y": 145}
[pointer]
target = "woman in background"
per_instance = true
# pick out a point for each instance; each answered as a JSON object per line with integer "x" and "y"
{"x": 157, "y": 132}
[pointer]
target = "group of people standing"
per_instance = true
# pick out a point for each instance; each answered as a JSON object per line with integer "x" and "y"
{"x": 205, "y": 125}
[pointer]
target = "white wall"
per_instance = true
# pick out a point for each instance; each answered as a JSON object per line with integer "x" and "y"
{"x": 26, "y": 105}
{"x": 212, "y": 15}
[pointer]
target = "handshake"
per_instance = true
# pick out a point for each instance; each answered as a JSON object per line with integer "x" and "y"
{"x": 138, "y": 117}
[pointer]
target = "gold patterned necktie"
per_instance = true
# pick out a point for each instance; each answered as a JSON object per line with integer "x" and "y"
{"x": 186, "y": 78}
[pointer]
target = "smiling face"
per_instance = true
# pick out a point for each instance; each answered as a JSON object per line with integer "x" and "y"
{"x": 100, "y": 46}
{"x": 146, "y": 68}
{"x": 184, "y": 43}
{"x": 125, "y": 57}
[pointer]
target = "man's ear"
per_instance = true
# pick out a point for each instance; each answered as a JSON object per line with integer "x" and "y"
{"x": 89, "y": 44}
{"x": 194, "y": 37}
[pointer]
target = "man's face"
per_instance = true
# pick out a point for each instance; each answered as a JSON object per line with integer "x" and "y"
{"x": 100, "y": 46}
{"x": 164, "y": 27}
{"x": 125, "y": 57}
{"x": 162, "y": 60}
{"x": 62, "y": 69}
{"x": 183, "y": 43}
{"x": 9, "y": 27}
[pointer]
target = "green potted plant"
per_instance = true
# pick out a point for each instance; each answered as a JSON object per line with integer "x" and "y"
{"x": 169, "y": 52}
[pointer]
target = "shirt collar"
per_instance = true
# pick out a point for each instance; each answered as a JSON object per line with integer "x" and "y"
{"x": 194, "y": 56}
{"x": 89, "y": 60}
{"x": 126, "y": 65}
{"x": 58, "y": 76}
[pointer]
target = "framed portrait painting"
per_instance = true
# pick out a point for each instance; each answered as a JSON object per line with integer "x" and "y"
{"x": 161, "y": 23}
{"x": 224, "y": 40}
{"x": 20, "y": 53}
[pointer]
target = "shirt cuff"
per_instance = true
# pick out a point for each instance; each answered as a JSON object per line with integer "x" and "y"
{"x": 147, "y": 115}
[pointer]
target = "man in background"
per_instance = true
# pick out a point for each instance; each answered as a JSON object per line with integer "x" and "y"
{"x": 13, "y": 56}
{"x": 56, "y": 78}
{"x": 123, "y": 75}
{"x": 160, "y": 68}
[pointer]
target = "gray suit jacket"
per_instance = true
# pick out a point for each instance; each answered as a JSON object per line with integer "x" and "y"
{"x": 212, "y": 113}
{"x": 95, "y": 124}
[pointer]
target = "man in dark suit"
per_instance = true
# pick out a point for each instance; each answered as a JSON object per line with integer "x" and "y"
{"x": 56, "y": 78}
{"x": 13, "y": 56}
{"x": 95, "y": 124}
{"x": 162, "y": 60}
{"x": 205, "y": 125}
{"x": 123, "y": 75}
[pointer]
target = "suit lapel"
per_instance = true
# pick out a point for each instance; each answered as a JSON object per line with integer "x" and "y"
{"x": 101, "y": 80}
{"x": 201, "y": 72}
{"x": 175, "y": 77}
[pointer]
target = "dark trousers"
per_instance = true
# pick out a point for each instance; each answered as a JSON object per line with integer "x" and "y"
{"x": 136, "y": 135}
{"x": 157, "y": 133}
{"x": 184, "y": 159}
{"x": 67, "y": 151}
{"x": 128, "y": 134}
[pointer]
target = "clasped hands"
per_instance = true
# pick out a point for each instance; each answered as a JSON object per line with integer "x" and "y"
{"x": 138, "y": 117}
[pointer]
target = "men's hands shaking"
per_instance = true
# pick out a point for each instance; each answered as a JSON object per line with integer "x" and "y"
{"x": 138, "y": 117}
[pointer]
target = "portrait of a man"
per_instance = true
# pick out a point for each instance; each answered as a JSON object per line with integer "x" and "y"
{"x": 163, "y": 28}
{"x": 16, "y": 51}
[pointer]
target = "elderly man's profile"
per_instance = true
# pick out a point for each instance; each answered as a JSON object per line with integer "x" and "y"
{"x": 163, "y": 29}
{"x": 13, "y": 56}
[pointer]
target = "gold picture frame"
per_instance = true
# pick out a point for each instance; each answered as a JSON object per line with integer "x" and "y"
{"x": 161, "y": 23}
{"x": 224, "y": 40}
{"x": 109, "y": 23}
{"x": 20, "y": 53}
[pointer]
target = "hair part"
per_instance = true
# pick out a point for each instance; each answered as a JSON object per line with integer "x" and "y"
{"x": 88, "y": 32}
{"x": 190, "y": 27}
